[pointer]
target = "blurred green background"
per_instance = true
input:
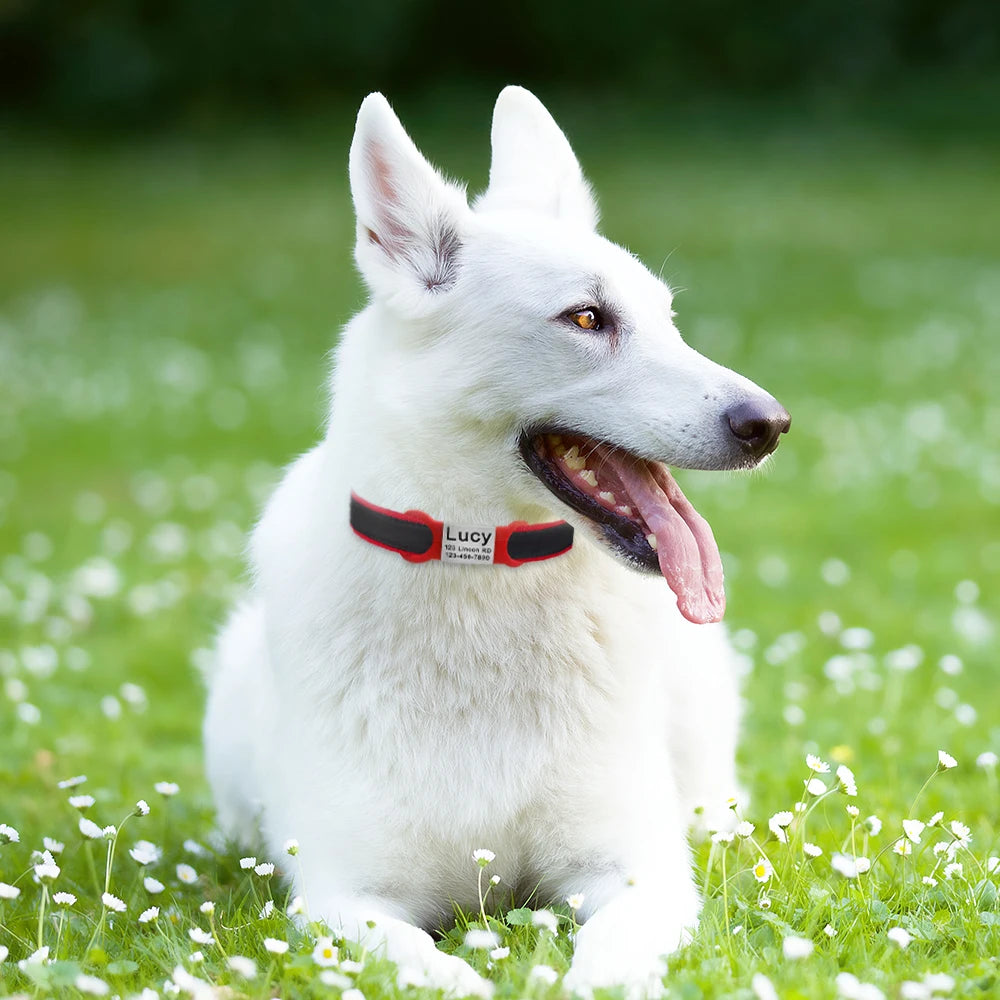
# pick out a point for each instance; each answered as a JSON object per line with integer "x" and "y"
{"x": 822, "y": 182}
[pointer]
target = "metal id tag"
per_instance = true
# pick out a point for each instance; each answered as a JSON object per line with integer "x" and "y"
{"x": 472, "y": 546}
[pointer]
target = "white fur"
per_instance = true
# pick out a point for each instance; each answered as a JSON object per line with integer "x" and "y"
{"x": 395, "y": 717}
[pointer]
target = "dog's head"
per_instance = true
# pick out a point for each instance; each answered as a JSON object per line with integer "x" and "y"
{"x": 557, "y": 343}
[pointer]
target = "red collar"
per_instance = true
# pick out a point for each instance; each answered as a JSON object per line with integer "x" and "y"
{"x": 417, "y": 537}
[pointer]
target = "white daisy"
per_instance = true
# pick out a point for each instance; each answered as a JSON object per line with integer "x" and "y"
{"x": 945, "y": 761}
{"x": 497, "y": 953}
{"x": 208, "y": 907}
{"x": 814, "y": 786}
{"x": 153, "y": 885}
{"x": 988, "y": 760}
{"x": 325, "y": 953}
{"x": 874, "y": 825}
{"x": 92, "y": 985}
{"x": 744, "y": 829}
{"x": 483, "y": 856}
{"x": 275, "y": 946}
{"x": 47, "y": 871}
{"x": 81, "y": 802}
{"x": 899, "y": 936}
{"x": 913, "y": 828}
{"x": 53, "y": 846}
{"x": 763, "y": 988}
{"x": 63, "y": 898}
{"x": 187, "y": 874}
{"x": 9, "y": 834}
{"x": 793, "y": 947}
{"x": 481, "y": 940}
{"x": 812, "y": 850}
{"x": 90, "y": 829}
{"x": 149, "y": 915}
{"x": 763, "y": 870}
{"x": 544, "y": 974}
{"x": 113, "y": 902}
{"x": 291, "y": 847}
{"x": 144, "y": 853}
{"x": 72, "y": 782}
{"x": 777, "y": 823}
{"x": 244, "y": 967}
{"x": 575, "y": 901}
{"x": 265, "y": 869}
{"x": 545, "y": 919}
{"x": 247, "y": 863}
{"x": 166, "y": 788}
{"x": 903, "y": 847}
{"x": 9, "y": 891}
{"x": 954, "y": 870}
{"x": 815, "y": 764}
{"x": 200, "y": 937}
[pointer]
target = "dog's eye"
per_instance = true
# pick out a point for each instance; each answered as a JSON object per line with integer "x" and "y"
{"x": 587, "y": 319}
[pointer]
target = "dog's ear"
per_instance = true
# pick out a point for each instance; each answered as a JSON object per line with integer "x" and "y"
{"x": 409, "y": 219}
{"x": 534, "y": 167}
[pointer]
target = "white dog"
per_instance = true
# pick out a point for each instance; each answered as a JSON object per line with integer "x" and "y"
{"x": 395, "y": 714}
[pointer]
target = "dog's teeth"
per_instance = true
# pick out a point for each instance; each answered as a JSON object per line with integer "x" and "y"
{"x": 652, "y": 541}
{"x": 573, "y": 460}
{"x": 625, "y": 511}
{"x": 588, "y": 477}
{"x": 607, "y": 497}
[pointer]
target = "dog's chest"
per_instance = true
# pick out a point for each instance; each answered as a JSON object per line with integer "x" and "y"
{"x": 464, "y": 707}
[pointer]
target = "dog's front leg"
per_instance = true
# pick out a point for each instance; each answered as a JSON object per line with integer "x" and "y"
{"x": 636, "y": 923}
{"x": 375, "y": 925}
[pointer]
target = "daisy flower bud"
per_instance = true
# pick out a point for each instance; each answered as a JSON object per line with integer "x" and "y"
{"x": 208, "y": 907}
{"x": 247, "y": 863}
{"x": 291, "y": 847}
{"x": 483, "y": 856}
{"x": 848, "y": 783}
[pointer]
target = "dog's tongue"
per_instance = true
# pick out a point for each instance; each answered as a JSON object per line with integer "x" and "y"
{"x": 685, "y": 546}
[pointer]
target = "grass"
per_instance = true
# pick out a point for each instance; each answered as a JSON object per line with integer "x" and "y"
{"x": 165, "y": 309}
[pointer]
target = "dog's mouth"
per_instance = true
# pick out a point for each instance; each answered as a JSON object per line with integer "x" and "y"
{"x": 639, "y": 511}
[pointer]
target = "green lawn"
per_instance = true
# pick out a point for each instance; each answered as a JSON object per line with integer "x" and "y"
{"x": 165, "y": 312}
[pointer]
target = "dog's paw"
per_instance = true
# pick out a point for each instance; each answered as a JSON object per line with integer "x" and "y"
{"x": 451, "y": 974}
{"x": 624, "y": 943}
{"x": 640, "y": 980}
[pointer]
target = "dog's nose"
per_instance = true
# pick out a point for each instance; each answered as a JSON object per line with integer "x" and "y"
{"x": 758, "y": 424}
